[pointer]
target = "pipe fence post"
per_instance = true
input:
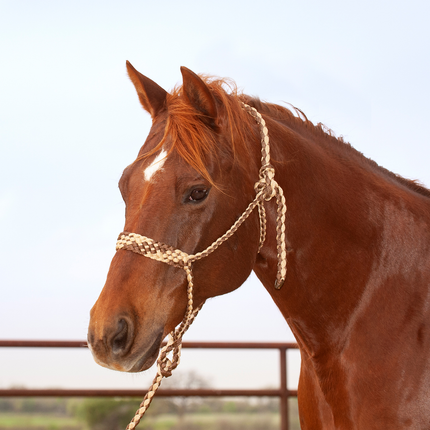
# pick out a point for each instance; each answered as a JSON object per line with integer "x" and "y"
{"x": 284, "y": 389}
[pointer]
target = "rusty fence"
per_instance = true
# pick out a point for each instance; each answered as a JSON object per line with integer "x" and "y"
{"x": 283, "y": 393}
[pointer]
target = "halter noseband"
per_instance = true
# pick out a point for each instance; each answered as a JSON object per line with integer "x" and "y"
{"x": 266, "y": 188}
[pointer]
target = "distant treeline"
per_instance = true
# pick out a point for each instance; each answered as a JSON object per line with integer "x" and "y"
{"x": 30, "y": 405}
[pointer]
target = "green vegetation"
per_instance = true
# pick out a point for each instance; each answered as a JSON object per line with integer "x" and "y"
{"x": 164, "y": 414}
{"x": 38, "y": 422}
{"x": 37, "y": 414}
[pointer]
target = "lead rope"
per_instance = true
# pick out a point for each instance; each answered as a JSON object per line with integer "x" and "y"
{"x": 166, "y": 365}
{"x": 266, "y": 188}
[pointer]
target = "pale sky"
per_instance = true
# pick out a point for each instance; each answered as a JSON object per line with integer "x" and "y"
{"x": 70, "y": 122}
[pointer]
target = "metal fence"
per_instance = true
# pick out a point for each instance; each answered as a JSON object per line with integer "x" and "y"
{"x": 283, "y": 393}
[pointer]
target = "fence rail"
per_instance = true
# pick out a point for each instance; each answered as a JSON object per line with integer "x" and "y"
{"x": 283, "y": 393}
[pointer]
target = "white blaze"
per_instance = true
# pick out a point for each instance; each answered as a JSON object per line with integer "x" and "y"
{"x": 155, "y": 166}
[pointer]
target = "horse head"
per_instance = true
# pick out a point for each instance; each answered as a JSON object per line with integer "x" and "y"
{"x": 192, "y": 179}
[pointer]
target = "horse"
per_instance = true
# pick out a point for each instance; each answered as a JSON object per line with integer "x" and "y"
{"x": 355, "y": 291}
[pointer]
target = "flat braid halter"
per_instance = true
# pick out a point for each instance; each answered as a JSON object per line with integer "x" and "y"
{"x": 266, "y": 188}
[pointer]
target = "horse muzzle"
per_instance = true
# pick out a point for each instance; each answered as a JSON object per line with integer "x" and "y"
{"x": 116, "y": 346}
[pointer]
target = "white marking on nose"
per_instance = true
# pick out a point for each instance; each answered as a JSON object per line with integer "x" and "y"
{"x": 155, "y": 166}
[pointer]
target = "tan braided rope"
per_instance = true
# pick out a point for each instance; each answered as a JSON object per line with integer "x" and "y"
{"x": 266, "y": 188}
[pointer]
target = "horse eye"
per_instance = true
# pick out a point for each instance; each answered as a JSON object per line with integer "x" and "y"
{"x": 198, "y": 194}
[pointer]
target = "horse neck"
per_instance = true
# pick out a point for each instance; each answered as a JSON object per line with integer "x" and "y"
{"x": 334, "y": 198}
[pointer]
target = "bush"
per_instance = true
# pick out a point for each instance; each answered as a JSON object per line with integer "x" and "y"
{"x": 106, "y": 414}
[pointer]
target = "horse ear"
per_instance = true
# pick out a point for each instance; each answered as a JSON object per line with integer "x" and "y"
{"x": 199, "y": 96}
{"x": 151, "y": 95}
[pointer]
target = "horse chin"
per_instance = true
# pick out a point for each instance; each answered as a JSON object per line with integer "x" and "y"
{"x": 149, "y": 356}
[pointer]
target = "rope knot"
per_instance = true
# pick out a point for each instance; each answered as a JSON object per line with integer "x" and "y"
{"x": 165, "y": 364}
{"x": 266, "y": 183}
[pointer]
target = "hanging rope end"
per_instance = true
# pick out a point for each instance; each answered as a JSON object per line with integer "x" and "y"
{"x": 278, "y": 284}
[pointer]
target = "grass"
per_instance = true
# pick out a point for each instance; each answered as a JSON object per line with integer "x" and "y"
{"x": 211, "y": 421}
{"x": 38, "y": 421}
{"x": 192, "y": 421}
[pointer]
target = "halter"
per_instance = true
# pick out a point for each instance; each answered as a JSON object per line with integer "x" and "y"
{"x": 266, "y": 188}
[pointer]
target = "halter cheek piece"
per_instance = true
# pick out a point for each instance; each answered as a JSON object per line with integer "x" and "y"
{"x": 266, "y": 188}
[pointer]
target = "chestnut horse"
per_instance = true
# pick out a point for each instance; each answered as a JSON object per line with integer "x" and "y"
{"x": 356, "y": 293}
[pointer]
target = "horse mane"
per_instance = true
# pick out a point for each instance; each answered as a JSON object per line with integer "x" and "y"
{"x": 297, "y": 120}
{"x": 194, "y": 141}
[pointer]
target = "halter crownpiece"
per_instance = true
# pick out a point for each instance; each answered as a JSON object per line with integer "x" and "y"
{"x": 266, "y": 188}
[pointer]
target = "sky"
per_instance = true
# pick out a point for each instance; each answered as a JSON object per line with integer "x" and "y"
{"x": 70, "y": 122}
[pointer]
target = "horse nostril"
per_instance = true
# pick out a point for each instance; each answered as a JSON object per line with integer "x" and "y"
{"x": 121, "y": 338}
